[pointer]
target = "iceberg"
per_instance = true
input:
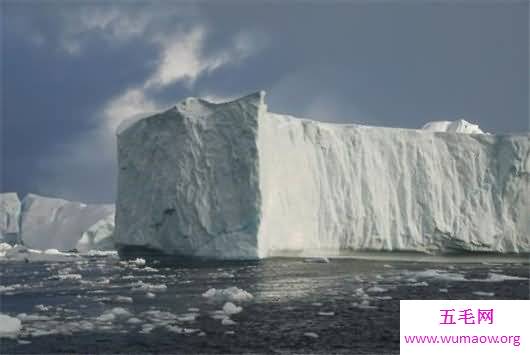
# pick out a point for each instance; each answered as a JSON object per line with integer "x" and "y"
{"x": 52, "y": 223}
{"x": 9, "y": 217}
{"x": 98, "y": 236}
{"x": 234, "y": 181}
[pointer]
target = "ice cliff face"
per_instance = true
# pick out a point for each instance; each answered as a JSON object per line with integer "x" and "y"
{"x": 55, "y": 223}
{"x": 233, "y": 181}
{"x": 9, "y": 217}
{"x": 99, "y": 236}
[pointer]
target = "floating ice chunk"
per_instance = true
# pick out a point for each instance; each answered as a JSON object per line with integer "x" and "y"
{"x": 123, "y": 299}
{"x": 228, "y": 321}
{"x": 120, "y": 312}
{"x": 180, "y": 330}
{"x": 157, "y": 315}
{"x": 365, "y": 304}
{"x": 174, "y": 329}
{"x": 106, "y": 317}
{"x": 68, "y": 277}
{"x": 144, "y": 286}
{"x": 484, "y": 294}
{"x": 376, "y": 289}
{"x": 187, "y": 317}
{"x": 383, "y": 298}
{"x": 436, "y": 274}
{"x": 443, "y": 290}
{"x": 419, "y": 284}
{"x": 327, "y": 314}
{"x": 311, "y": 335}
{"x": 150, "y": 295}
{"x": 232, "y": 294}
{"x": 134, "y": 320}
{"x": 10, "y": 288}
{"x": 193, "y": 309}
{"x": 218, "y": 315}
{"x": 101, "y": 253}
{"x": 9, "y": 326}
{"x": 31, "y": 317}
{"x": 138, "y": 262}
{"x": 493, "y": 277}
{"x": 230, "y": 308}
{"x": 22, "y": 253}
{"x": 147, "y": 328}
{"x": 113, "y": 314}
{"x": 42, "y": 308}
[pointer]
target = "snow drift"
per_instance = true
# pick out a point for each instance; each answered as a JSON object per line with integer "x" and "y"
{"x": 56, "y": 223}
{"x": 233, "y": 181}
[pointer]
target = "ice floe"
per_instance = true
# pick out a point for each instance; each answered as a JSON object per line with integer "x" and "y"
{"x": 9, "y": 326}
{"x": 230, "y": 308}
{"x": 232, "y": 294}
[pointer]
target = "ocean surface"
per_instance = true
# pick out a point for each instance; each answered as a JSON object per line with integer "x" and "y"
{"x": 278, "y": 306}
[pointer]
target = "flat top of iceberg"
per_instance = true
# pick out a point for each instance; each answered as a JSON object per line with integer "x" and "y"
{"x": 199, "y": 108}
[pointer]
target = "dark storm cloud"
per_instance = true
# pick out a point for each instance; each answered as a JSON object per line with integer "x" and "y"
{"x": 71, "y": 72}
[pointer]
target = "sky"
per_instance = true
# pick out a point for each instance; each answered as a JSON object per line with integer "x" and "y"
{"x": 71, "y": 71}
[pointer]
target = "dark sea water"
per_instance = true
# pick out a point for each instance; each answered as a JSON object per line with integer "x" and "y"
{"x": 346, "y": 306}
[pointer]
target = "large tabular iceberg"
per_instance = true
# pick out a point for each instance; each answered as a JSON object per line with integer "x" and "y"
{"x": 56, "y": 223}
{"x": 233, "y": 181}
{"x": 9, "y": 217}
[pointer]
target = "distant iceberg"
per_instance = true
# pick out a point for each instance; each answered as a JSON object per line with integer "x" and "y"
{"x": 55, "y": 223}
{"x": 234, "y": 181}
{"x": 98, "y": 237}
{"x": 9, "y": 217}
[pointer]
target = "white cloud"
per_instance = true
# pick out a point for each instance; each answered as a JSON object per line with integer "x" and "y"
{"x": 127, "y": 105}
{"x": 183, "y": 55}
{"x": 180, "y": 58}
{"x": 85, "y": 168}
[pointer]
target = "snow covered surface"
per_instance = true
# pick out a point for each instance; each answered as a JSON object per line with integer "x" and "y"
{"x": 458, "y": 126}
{"x": 9, "y": 217}
{"x": 56, "y": 223}
{"x": 98, "y": 236}
{"x": 234, "y": 181}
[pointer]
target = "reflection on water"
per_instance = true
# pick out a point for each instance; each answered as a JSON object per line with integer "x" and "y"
{"x": 346, "y": 305}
